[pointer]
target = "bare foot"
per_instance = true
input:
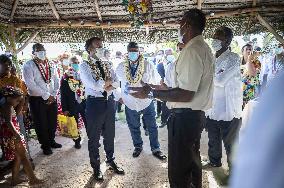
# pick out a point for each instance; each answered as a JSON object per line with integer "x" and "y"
{"x": 17, "y": 181}
{"x": 36, "y": 181}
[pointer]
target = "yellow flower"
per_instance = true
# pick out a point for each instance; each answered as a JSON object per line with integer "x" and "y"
{"x": 131, "y": 8}
{"x": 144, "y": 7}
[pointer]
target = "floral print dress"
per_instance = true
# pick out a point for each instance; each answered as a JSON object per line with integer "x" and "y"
{"x": 250, "y": 86}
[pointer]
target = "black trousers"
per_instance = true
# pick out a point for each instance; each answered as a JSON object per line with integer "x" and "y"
{"x": 100, "y": 115}
{"x": 227, "y": 131}
{"x": 184, "y": 161}
{"x": 159, "y": 107}
{"x": 45, "y": 120}
{"x": 165, "y": 113}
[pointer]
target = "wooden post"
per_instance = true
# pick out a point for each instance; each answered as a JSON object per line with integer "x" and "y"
{"x": 270, "y": 29}
{"x": 199, "y": 4}
{"x": 98, "y": 10}
{"x": 30, "y": 39}
{"x": 54, "y": 9}
{"x": 14, "y": 9}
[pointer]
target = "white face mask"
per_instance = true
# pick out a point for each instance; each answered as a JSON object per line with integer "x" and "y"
{"x": 216, "y": 45}
{"x": 41, "y": 55}
{"x": 100, "y": 53}
{"x": 170, "y": 58}
{"x": 279, "y": 50}
{"x": 65, "y": 62}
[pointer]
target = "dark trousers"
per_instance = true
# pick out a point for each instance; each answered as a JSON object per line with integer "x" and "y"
{"x": 159, "y": 107}
{"x": 45, "y": 120}
{"x": 227, "y": 131}
{"x": 81, "y": 110}
{"x": 184, "y": 161}
{"x": 165, "y": 113}
{"x": 133, "y": 119}
{"x": 100, "y": 115}
{"x": 118, "y": 106}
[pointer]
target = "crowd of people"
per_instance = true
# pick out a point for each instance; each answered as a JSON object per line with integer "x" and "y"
{"x": 192, "y": 91}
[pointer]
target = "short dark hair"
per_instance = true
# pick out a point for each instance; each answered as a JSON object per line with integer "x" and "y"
{"x": 9, "y": 91}
{"x": 36, "y": 46}
{"x": 228, "y": 33}
{"x": 196, "y": 19}
{"x": 132, "y": 45}
{"x": 246, "y": 45}
{"x": 90, "y": 41}
{"x": 5, "y": 59}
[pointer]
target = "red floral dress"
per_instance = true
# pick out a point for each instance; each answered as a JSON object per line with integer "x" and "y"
{"x": 7, "y": 139}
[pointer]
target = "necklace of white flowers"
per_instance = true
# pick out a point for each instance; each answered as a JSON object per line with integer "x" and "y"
{"x": 138, "y": 74}
{"x": 95, "y": 68}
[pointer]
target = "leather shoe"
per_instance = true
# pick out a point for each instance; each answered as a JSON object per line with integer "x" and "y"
{"x": 47, "y": 151}
{"x": 115, "y": 168}
{"x": 160, "y": 155}
{"x": 56, "y": 145}
{"x": 77, "y": 143}
{"x": 98, "y": 175}
{"x": 137, "y": 152}
{"x": 210, "y": 165}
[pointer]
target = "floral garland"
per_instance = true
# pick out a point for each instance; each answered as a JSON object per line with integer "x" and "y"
{"x": 138, "y": 74}
{"x": 140, "y": 11}
{"x": 46, "y": 75}
{"x": 75, "y": 85}
{"x": 95, "y": 69}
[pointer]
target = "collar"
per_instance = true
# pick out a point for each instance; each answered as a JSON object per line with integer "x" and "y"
{"x": 194, "y": 40}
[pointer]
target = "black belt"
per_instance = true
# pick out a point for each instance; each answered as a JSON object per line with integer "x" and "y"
{"x": 182, "y": 110}
{"x": 100, "y": 98}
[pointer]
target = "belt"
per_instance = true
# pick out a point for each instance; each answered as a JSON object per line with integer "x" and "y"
{"x": 181, "y": 110}
{"x": 100, "y": 98}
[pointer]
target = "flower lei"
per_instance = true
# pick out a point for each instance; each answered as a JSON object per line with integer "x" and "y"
{"x": 95, "y": 69}
{"x": 46, "y": 75}
{"x": 75, "y": 85}
{"x": 138, "y": 74}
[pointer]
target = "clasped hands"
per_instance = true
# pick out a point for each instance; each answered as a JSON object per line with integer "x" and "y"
{"x": 108, "y": 85}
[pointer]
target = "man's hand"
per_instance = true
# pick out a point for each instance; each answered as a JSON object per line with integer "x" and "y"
{"x": 108, "y": 82}
{"x": 51, "y": 100}
{"x": 121, "y": 101}
{"x": 109, "y": 88}
{"x": 141, "y": 92}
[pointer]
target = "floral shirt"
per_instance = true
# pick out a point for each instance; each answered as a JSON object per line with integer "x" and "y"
{"x": 250, "y": 86}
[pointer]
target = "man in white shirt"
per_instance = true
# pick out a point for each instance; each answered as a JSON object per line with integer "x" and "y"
{"x": 274, "y": 66}
{"x": 132, "y": 73}
{"x": 99, "y": 80}
{"x": 190, "y": 97}
{"x": 224, "y": 118}
{"x": 42, "y": 82}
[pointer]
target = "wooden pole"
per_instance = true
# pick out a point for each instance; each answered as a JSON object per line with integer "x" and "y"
{"x": 98, "y": 10}
{"x": 199, "y": 4}
{"x": 14, "y": 9}
{"x": 30, "y": 39}
{"x": 54, "y": 9}
{"x": 270, "y": 28}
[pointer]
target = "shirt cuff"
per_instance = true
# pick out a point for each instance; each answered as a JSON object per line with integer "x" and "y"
{"x": 46, "y": 96}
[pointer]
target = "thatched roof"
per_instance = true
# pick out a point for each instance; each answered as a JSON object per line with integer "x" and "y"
{"x": 76, "y": 20}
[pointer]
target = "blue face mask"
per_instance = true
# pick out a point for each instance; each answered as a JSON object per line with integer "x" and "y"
{"x": 133, "y": 56}
{"x": 75, "y": 67}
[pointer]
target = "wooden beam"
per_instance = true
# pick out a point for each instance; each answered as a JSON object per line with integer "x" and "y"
{"x": 199, "y": 4}
{"x": 98, "y": 10}
{"x": 54, "y": 9}
{"x": 265, "y": 23}
{"x": 15, "y": 4}
{"x": 92, "y": 24}
{"x": 245, "y": 11}
{"x": 250, "y": 18}
{"x": 30, "y": 39}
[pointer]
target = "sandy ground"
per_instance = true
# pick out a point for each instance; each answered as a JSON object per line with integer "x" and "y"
{"x": 70, "y": 168}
